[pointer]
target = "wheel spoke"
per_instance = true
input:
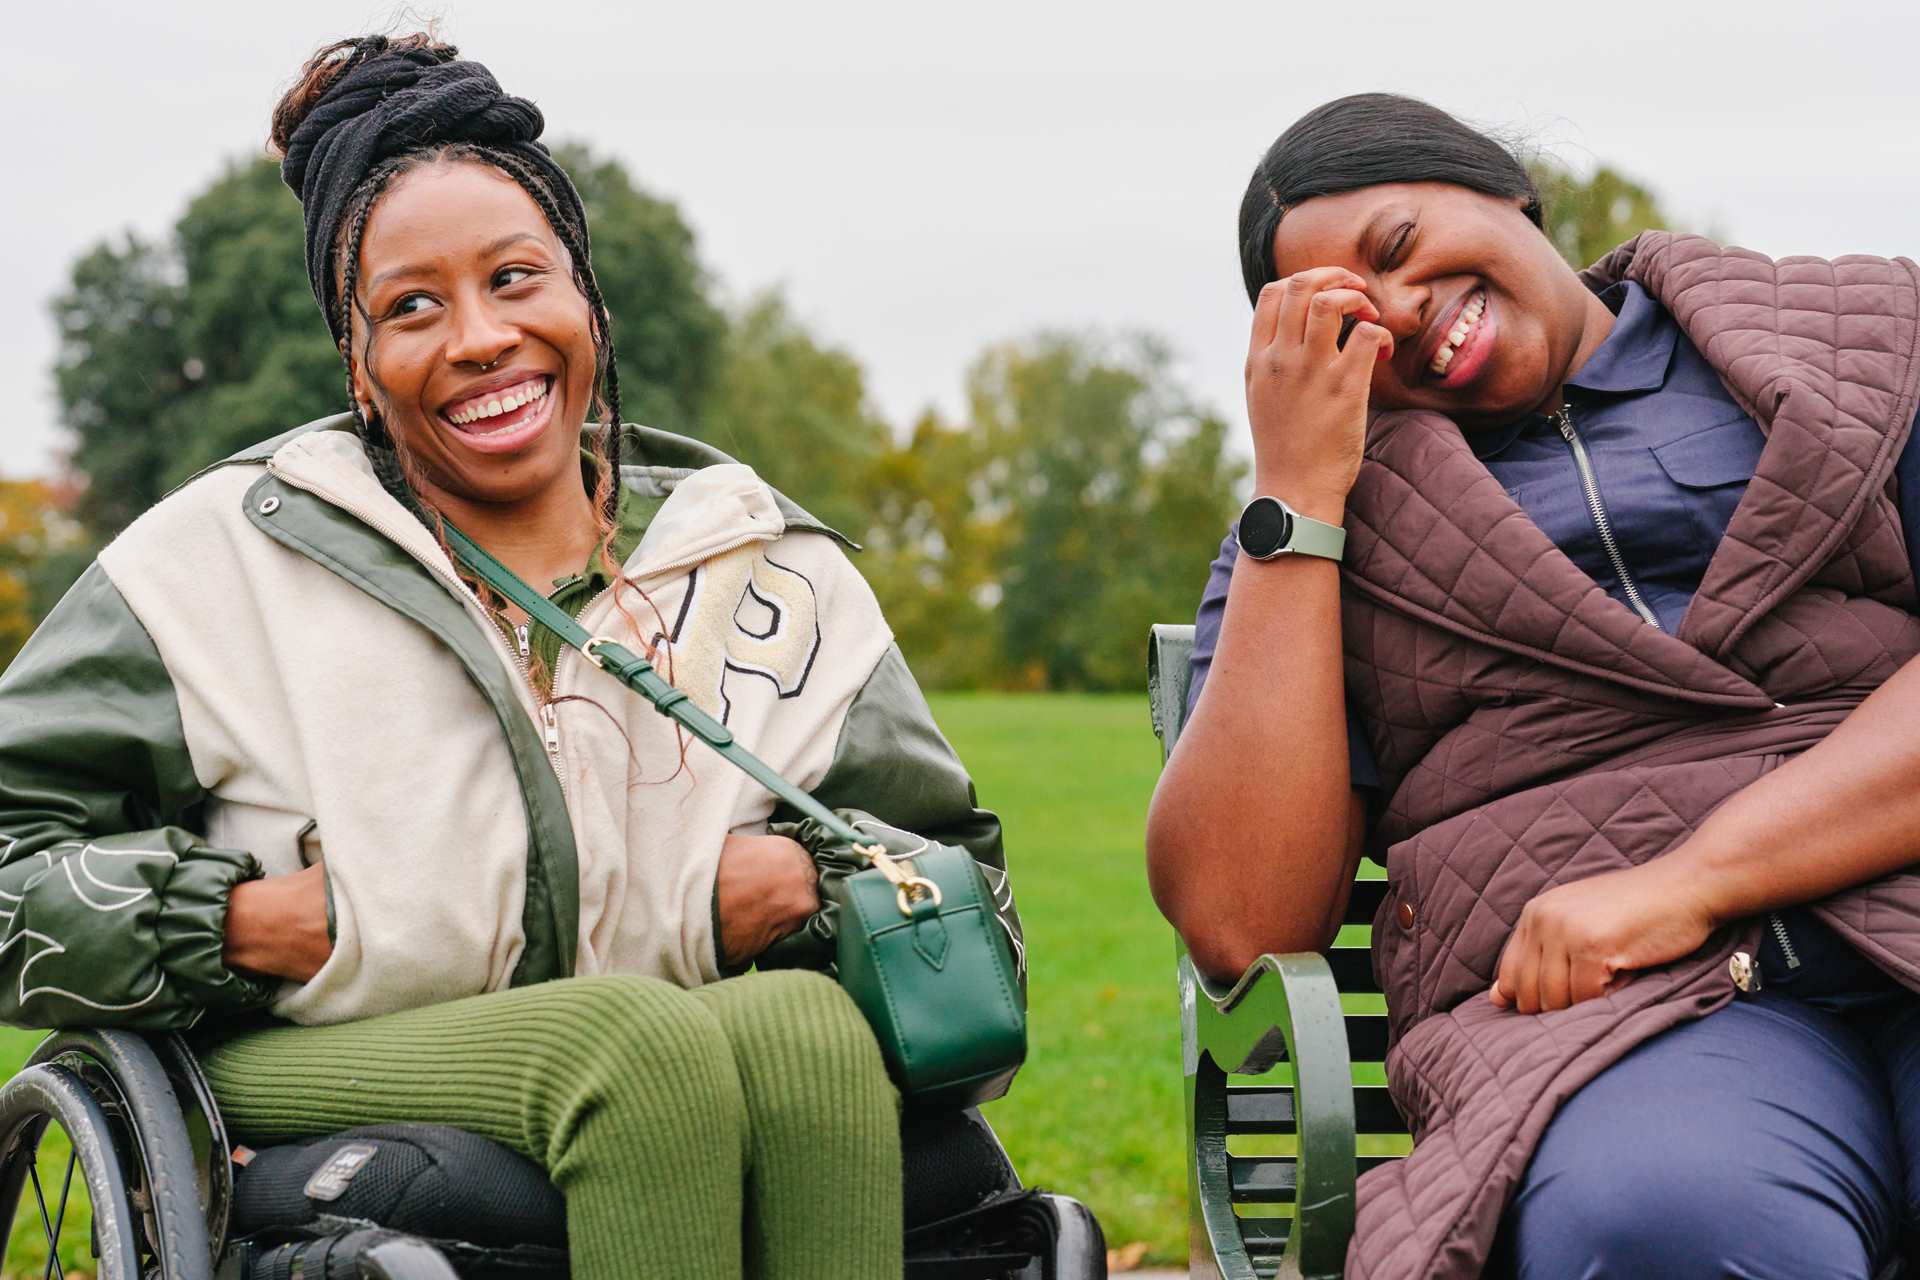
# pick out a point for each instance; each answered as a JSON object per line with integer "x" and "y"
{"x": 60, "y": 1214}
{"x": 46, "y": 1223}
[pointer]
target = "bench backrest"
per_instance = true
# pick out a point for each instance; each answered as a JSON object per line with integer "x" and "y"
{"x": 1260, "y": 1109}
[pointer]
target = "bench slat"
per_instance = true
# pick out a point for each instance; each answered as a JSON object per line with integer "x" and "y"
{"x": 1269, "y": 1109}
{"x": 1352, "y": 970}
{"x": 1367, "y": 1037}
{"x": 1365, "y": 900}
{"x": 1273, "y": 1179}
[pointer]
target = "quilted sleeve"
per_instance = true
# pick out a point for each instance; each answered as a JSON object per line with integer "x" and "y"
{"x": 112, "y": 913}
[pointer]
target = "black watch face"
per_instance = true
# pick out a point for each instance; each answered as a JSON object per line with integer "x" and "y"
{"x": 1265, "y": 527}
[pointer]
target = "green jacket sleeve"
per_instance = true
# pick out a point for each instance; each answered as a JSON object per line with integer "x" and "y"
{"x": 112, "y": 913}
{"x": 893, "y": 771}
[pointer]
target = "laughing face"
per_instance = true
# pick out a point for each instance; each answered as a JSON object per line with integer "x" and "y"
{"x": 482, "y": 358}
{"x": 1487, "y": 321}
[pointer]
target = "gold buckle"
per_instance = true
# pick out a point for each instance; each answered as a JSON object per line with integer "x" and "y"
{"x": 588, "y": 649}
{"x": 908, "y": 888}
{"x": 914, "y": 890}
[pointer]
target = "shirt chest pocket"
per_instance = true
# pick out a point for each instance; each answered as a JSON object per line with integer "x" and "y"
{"x": 1711, "y": 467}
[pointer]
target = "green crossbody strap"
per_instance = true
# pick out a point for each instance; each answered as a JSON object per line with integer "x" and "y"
{"x": 638, "y": 674}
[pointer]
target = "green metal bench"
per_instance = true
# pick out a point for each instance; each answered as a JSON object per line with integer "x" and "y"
{"x": 1286, "y": 1095}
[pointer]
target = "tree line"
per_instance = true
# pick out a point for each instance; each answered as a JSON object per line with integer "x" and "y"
{"x": 1025, "y": 544}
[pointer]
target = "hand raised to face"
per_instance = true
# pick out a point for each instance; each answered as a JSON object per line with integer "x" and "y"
{"x": 1306, "y": 391}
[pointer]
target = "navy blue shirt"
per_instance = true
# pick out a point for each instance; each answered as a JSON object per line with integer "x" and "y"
{"x": 1671, "y": 454}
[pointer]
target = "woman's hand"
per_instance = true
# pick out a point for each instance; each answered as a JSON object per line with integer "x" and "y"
{"x": 278, "y": 926}
{"x": 1581, "y": 940}
{"x": 1307, "y": 395}
{"x": 767, "y": 888}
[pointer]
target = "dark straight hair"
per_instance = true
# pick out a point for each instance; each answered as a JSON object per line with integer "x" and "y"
{"x": 1363, "y": 141}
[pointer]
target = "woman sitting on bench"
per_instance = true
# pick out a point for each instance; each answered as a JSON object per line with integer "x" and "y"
{"x": 1614, "y": 671}
{"x": 275, "y": 753}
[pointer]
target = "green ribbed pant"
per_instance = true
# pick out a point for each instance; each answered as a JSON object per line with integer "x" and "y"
{"x": 742, "y": 1128}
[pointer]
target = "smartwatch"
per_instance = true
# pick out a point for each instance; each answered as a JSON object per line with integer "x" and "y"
{"x": 1270, "y": 528}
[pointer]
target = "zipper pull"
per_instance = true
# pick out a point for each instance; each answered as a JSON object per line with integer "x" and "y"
{"x": 1563, "y": 420}
{"x": 525, "y": 643}
{"x": 1785, "y": 939}
{"x": 552, "y": 723}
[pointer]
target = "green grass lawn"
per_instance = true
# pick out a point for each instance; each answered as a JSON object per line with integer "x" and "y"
{"x": 1097, "y": 1112}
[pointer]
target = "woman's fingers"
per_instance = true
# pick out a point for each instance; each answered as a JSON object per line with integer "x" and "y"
{"x": 1506, "y": 977}
{"x": 1591, "y": 980}
{"x": 1266, "y": 314}
{"x": 1298, "y": 292}
{"x": 1367, "y": 345}
{"x": 1325, "y": 312}
{"x": 1556, "y": 978}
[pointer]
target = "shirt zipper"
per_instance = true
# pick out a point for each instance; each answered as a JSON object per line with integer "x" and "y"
{"x": 1780, "y": 936}
{"x": 1563, "y": 419}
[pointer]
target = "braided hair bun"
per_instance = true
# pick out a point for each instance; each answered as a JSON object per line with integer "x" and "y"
{"x": 325, "y": 68}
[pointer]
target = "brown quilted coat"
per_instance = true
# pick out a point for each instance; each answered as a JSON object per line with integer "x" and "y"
{"x": 1532, "y": 730}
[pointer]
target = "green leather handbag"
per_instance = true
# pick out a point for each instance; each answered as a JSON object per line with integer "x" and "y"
{"x": 921, "y": 950}
{"x": 919, "y": 946}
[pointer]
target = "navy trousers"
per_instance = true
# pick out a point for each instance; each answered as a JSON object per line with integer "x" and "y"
{"x": 1777, "y": 1137}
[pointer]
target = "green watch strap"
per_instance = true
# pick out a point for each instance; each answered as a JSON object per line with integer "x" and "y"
{"x": 1316, "y": 538}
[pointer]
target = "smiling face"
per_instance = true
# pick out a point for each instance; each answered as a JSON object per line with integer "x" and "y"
{"x": 482, "y": 356}
{"x": 1488, "y": 322}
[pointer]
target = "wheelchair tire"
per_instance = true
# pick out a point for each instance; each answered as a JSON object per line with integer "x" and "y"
{"x": 179, "y": 1188}
{"x": 32, "y": 1100}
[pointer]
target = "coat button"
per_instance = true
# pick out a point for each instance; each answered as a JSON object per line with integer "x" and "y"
{"x": 1404, "y": 914}
{"x": 1745, "y": 973}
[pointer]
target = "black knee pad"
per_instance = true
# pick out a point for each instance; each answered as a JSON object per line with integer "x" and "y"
{"x": 493, "y": 1213}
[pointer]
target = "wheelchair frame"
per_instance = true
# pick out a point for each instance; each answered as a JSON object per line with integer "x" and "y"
{"x": 149, "y": 1145}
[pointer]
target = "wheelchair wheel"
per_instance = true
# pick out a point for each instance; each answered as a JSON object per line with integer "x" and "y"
{"x": 59, "y": 1169}
{"x": 166, "y": 1138}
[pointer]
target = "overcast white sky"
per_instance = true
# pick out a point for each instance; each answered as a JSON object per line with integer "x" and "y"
{"x": 925, "y": 181}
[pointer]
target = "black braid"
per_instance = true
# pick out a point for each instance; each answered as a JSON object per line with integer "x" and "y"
{"x": 381, "y": 451}
{"x": 574, "y": 237}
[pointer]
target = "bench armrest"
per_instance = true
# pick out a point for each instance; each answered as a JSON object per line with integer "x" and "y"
{"x": 1284, "y": 1007}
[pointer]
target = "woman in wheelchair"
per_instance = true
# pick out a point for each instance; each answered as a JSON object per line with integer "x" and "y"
{"x": 278, "y": 771}
{"x": 1615, "y": 672}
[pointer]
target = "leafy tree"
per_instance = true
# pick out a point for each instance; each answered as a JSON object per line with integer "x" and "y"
{"x": 258, "y": 356}
{"x": 935, "y": 543}
{"x": 797, "y": 412}
{"x": 1075, "y": 509}
{"x": 34, "y": 528}
{"x": 119, "y": 367}
{"x": 1586, "y": 217}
